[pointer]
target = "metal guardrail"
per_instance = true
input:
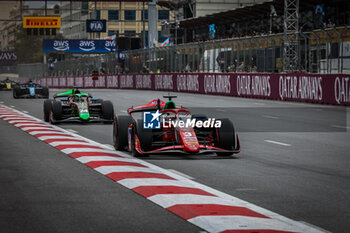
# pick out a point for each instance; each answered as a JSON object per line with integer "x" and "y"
{"x": 321, "y": 51}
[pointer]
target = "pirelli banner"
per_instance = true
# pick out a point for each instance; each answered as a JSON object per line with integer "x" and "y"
{"x": 41, "y": 22}
{"x": 300, "y": 87}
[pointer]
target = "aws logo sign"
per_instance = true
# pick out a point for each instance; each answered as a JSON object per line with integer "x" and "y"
{"x": 110, "y": 45}
{"x": 87, "y": 45}
{"x": 61, "y": 45}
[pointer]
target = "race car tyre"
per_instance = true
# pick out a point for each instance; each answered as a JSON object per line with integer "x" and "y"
{"x": 47, "y": 109}
{"x": 144, "y": 136}
{"x": 16, "y": 91}
{"x": 120, "y": 131}
{"x": 225, "y": 137}
{"x": 56, "y": 111}
{"x": 45, "y": 92}
{"x": 107, "y": 110}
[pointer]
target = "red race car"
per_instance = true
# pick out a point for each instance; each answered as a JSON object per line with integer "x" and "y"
{"x": 160, "y": 127}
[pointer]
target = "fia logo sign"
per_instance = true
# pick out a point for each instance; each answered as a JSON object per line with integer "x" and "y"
{"x": 96, "y": 25}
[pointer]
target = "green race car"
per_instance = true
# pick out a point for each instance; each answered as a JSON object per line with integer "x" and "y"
{"x": 77, "y": 106}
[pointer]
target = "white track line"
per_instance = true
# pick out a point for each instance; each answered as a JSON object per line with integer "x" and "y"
{"x": 34, "y": 123}
{"x": 87, "y": 159}
{"x": 340, "y": 127}
{"x": 181, "y": 174}
{"x": 9, "y": 115}
{"x": 133, "y": 183}
{"x": 105, "y": 170}
{"x": 47, "y": 132}
{"x": 278, "y": 143}
{"x": 60, "y": 143}
{"x": 270, "y": 117}
{"x": 168, "y": 200}
{"x": 43, "y": 138}
{"x": 73, "y": 150}
{"x": 72, "y": 130}
{"x": 38, "y": 128}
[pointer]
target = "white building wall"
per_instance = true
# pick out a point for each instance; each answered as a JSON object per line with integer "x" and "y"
{"x": 73, "y": 29}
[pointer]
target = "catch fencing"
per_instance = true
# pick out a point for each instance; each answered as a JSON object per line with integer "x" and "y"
{"x": 323, "y": 51}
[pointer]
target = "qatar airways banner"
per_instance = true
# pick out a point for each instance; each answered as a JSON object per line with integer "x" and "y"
{"x": 312, "y": 88}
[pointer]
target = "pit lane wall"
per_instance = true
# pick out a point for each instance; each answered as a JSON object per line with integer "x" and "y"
{"x": 312, "y": 88}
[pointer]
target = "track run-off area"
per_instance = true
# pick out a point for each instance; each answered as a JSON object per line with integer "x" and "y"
{"x": 292, "y": 174}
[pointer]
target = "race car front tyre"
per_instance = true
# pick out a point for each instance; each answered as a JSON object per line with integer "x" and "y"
{"x": 120, "y": 131}
{"x": 107, "y": 110}
{"x": 225, "y": 137}
{"x": 47, "y": 108}
{"x": 45, "y": 92}
{"x": 16, "y": 91}
{"x": 144, "y": 136}
{"x": 56, "y": 111}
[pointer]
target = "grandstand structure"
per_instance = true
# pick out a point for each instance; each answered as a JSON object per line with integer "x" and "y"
{"x": 290, "y": 37}
{"x": 309, "y": 35}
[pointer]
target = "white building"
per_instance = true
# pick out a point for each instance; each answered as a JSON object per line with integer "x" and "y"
{"x": 74, "y": 16}
{"x": 198, "y": 8}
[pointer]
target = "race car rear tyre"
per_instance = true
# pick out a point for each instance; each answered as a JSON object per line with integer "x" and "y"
{"x": 47, "y": 109}
{"x": 225, "y": 137}
{"x": 144, "y": 136}
{"x": 107, "y": 110}
{"x": 120, "y": 131}
{"x": 45, "y": 92}
{"x": 56, "y": 111}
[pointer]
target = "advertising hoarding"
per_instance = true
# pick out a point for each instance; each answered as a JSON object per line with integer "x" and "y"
{"x": 79, "y": 46}
{"x": 41, "y": 22}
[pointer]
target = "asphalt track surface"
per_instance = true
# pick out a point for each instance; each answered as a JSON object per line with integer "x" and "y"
{"x": 294, "y": 161}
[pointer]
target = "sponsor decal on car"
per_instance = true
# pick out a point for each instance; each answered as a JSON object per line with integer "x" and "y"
{"x": 154, "y": 120}
{"x": 151, "y": 120}
{"x": 187, "y": 123}
{"x": 32, "y": 91}
{"x": 190, "y": 139}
